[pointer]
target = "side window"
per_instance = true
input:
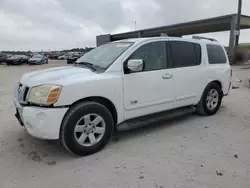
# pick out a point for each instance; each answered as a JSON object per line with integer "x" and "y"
{"x": 153, "y": 54}
{"x": 216, "y": 54}
{"x": 197, "y": 48}
{"x": 185, "y": 54}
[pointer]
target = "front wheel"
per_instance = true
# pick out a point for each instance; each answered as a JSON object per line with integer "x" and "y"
{"x": 86, "y": 128}
{"x": 211, "y": 100}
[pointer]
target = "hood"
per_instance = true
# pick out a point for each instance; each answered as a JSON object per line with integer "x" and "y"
{"x": 13, "y": 58}
{"x": 58, "y": 75}
{"x": 35, "y": 59}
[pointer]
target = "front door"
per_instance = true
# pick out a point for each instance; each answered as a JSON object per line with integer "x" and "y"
{"x": 150, "y": 90}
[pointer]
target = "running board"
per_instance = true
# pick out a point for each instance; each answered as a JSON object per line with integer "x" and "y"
{"x": 154, "y": 118}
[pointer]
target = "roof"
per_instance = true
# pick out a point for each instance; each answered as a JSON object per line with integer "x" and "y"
{"x": 221, "y": 23}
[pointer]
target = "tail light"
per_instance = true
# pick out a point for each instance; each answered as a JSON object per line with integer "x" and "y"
{"x": 231, "y": 72}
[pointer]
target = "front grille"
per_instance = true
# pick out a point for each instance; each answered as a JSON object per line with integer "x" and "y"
{"x": 22, "y": 92}
{"x": 25, "y": 93}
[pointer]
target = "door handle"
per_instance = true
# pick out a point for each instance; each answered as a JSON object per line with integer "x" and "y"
{"x": 167, "y": 76}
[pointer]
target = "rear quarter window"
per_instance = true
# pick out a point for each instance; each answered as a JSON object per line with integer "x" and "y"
{"x": 216, "y": 54}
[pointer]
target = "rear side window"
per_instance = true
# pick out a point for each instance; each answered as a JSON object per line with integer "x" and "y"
{"x": 185, "y": 54}
{"x": 216, "y": 54}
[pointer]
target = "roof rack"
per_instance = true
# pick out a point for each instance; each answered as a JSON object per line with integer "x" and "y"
{"x": 164, "y": 35}
{"x": 206, "y": 38}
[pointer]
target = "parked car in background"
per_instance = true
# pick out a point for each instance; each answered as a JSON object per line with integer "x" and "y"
{"x": 52, "y": 56}
{"x": 38, "y": 59}
{"x": 63, "y": 57}
{"x": 17, "y": 60}
{"x": 3, "y": 58}
{"x": 72, "y": 58}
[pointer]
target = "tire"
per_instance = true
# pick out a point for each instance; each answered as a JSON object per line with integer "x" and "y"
{"x": 204, "y": 107}
{"x": 71, "y": 139}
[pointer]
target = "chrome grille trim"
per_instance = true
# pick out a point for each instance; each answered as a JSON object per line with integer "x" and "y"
{"x": 22, "y": 93}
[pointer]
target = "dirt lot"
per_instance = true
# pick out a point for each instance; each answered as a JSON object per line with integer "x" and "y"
{"x": 190, "y": 151}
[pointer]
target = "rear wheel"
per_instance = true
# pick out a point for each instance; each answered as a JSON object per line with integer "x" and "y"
{"x": 86, "y": 128}
{"x": 211, "y": 100}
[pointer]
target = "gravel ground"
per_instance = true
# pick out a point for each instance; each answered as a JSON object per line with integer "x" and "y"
{"x": 190, "y": 151}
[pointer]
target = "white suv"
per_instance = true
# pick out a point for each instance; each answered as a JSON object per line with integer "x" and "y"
{"x": 116, "y": 83}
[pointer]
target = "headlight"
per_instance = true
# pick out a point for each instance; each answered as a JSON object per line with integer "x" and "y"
{"x": 44, "y": 94}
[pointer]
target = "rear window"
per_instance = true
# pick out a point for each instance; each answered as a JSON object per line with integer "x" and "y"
{"x": 216, "y": 54}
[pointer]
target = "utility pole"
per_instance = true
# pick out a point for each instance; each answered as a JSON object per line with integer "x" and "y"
{"x": 135, "y": 25}
{"x": 237, "y": 32}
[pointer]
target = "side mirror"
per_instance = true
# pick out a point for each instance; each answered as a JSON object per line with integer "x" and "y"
{"x": 135, "y": 65}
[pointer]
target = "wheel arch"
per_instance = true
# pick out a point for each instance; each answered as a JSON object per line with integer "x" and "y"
{"x": 213, "y": 81}
{"x": 217, "y": 82}
{"x": 103, "y": 101}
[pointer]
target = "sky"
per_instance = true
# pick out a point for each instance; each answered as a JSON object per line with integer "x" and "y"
{"x": 63, "y": 24}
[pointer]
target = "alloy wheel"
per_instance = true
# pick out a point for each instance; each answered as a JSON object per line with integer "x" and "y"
{"x": 89, "y": 130}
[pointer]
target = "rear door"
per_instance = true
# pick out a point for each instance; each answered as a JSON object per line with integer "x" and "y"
{"x": 187, "y": 72}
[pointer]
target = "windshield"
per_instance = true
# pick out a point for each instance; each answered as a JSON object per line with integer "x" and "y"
{"x": 37, "y": 56}
{"x": 103, "y": 56}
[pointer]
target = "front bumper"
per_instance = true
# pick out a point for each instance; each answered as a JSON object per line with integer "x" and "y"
{"x": 12, "y": 62}
{"x": 34, "y": 62}
{"x": 43, "y": 123}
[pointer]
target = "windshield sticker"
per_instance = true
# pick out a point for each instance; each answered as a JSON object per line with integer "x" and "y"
{"x": 122, "y": 45}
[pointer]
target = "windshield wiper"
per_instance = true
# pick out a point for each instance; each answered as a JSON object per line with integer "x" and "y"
{"x": 87, "y": 64}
